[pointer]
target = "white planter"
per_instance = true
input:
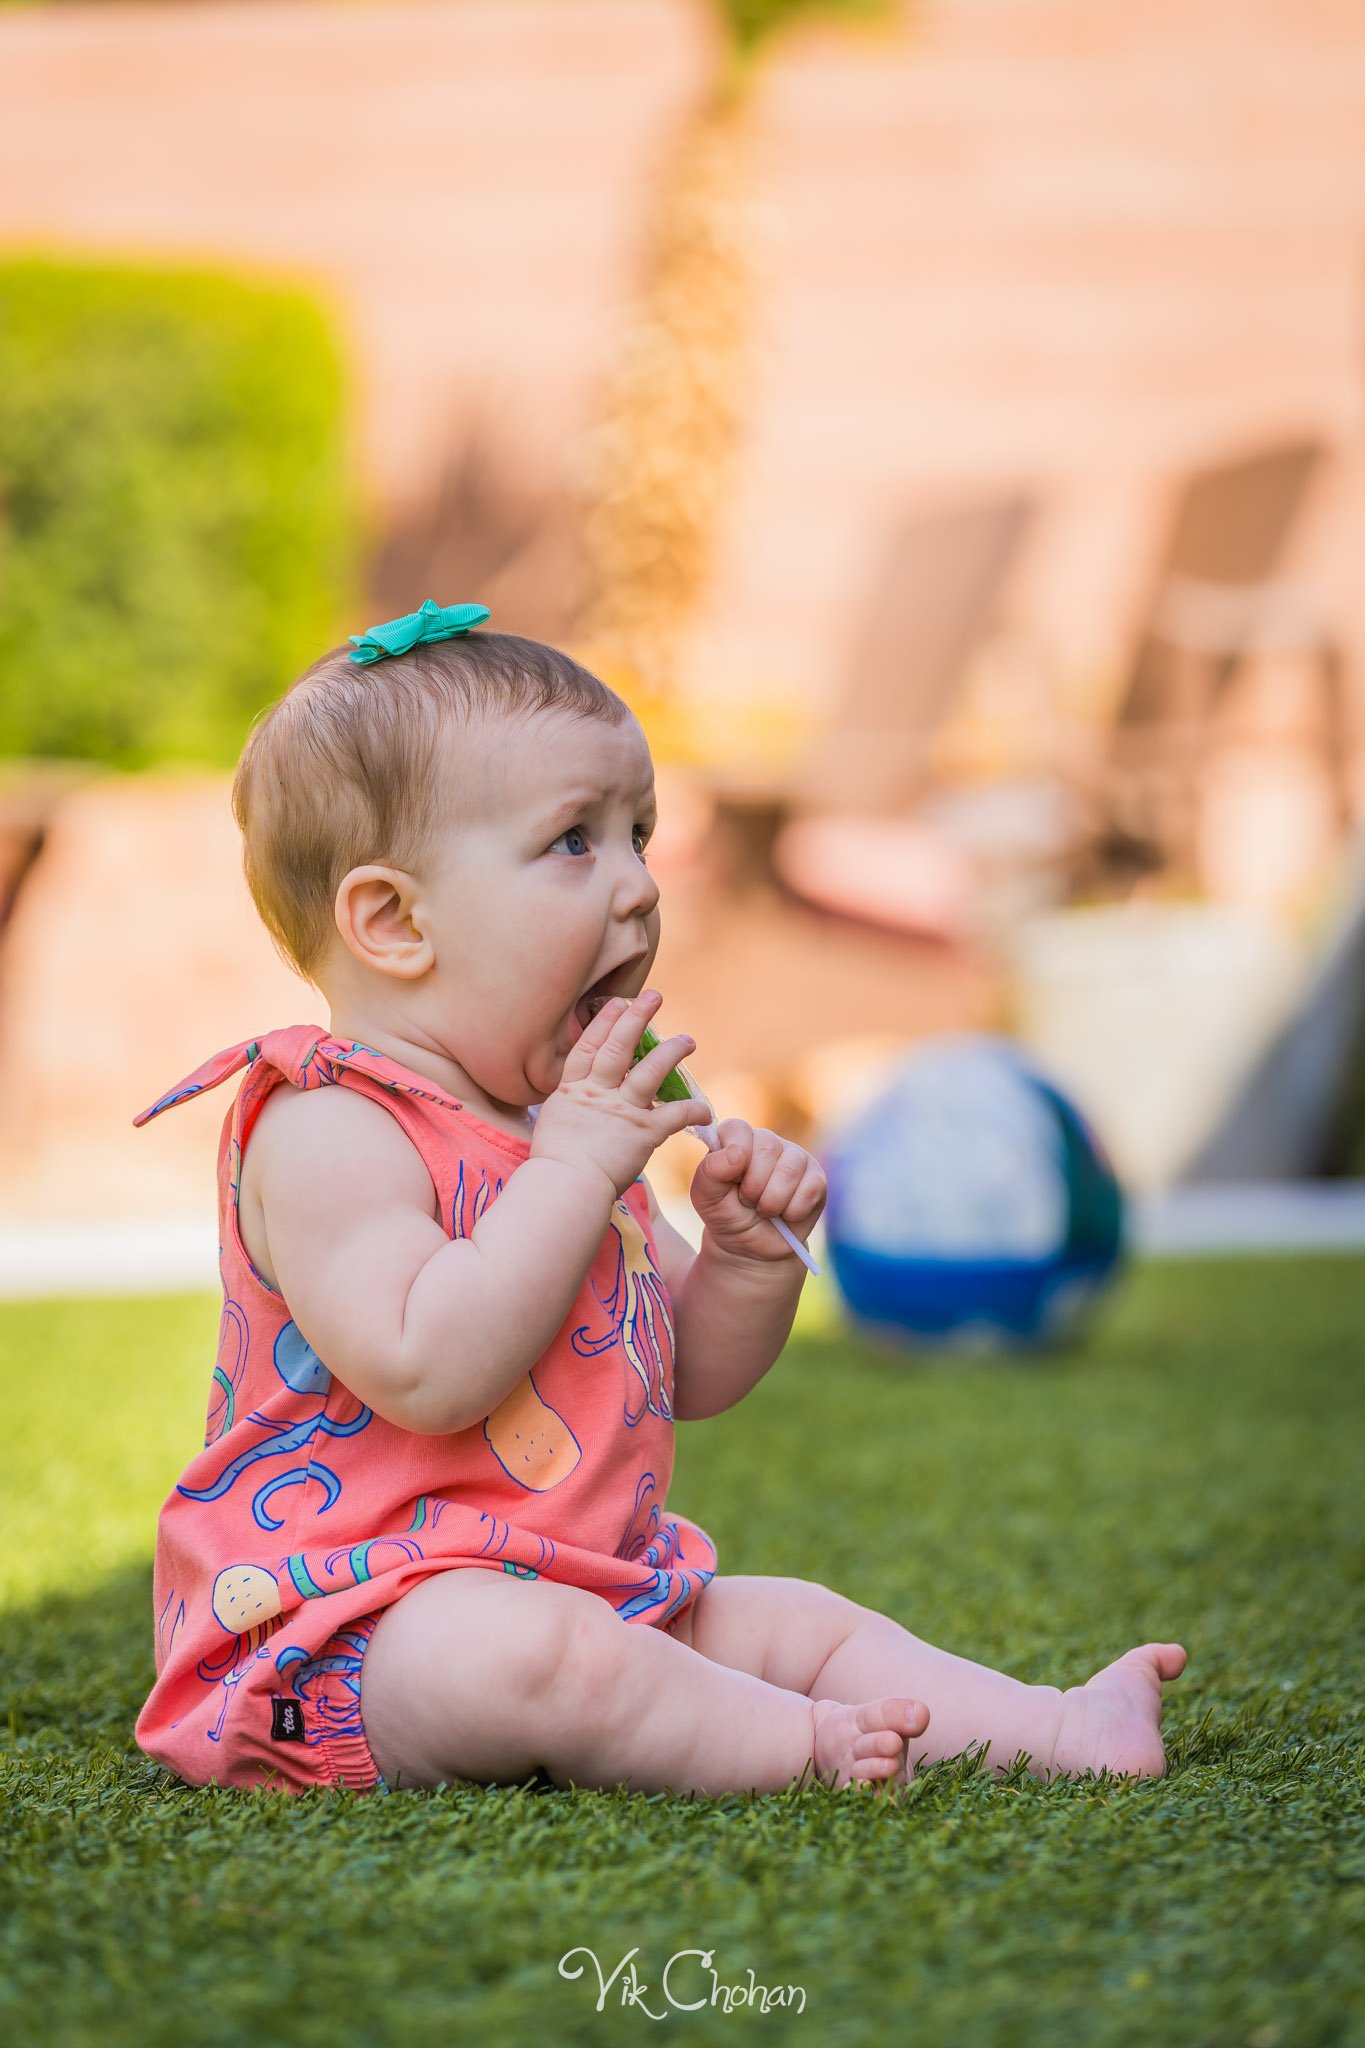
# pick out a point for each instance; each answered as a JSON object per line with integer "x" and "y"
{"x": 1150, "y": 1015}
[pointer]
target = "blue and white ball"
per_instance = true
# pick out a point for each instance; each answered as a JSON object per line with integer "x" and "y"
{"x": 970, "y": 1204}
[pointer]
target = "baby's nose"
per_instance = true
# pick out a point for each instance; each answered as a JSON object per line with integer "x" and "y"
{"x": 639, "y": 892}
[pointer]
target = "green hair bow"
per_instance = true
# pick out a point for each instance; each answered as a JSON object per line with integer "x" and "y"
{"x": 432, "y": 622}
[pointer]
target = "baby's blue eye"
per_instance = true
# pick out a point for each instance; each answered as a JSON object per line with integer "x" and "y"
{"x": 577, "y": 831}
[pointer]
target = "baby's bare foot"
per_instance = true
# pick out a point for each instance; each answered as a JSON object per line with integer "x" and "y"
{"x": 867, "y": 1741}
{"x": 1113, "y": 1721}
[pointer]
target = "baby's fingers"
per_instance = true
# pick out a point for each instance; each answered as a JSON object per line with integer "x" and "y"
{"x": 653, "y": 1069}
{"x": 595, "y": 1034}
{"x": 627, "y": 1020}
{"x": 678, "y": 1116}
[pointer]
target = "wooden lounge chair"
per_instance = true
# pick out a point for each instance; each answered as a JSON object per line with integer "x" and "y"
{"x": 1215, "y": 604}
{"x": 930, "y": 606}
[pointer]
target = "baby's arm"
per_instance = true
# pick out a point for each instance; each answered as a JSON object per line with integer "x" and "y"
{"x": 431, "y": 1332}
{"x": 734, "y": 1302}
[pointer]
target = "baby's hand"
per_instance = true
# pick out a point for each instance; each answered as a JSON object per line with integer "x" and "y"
{"x": 756, "y": 1174}
{"x": 603, "y": 1116}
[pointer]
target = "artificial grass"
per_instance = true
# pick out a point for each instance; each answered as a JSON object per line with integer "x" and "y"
{"x": 1193, "y": 1472}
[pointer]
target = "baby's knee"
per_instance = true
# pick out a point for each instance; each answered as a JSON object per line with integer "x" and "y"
{"x": 463, "y": 1675}
{"x": 817, "y": 1605}
{"x": 578, "y": 1659}
{"x": 545, "y": 1643}
{"x": 472, "y": 1634}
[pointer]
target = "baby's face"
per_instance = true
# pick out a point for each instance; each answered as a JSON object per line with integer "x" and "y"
{"x": 546, "y": 894}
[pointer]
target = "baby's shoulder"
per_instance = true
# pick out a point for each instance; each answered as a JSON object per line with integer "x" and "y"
{"x": 335, "y": 1137}
{"x": 319, "y": 1168}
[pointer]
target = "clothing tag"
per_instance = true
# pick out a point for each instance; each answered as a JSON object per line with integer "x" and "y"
{"x": 286, "y": 1721}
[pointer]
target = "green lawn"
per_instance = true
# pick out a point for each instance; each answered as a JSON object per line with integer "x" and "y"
{"x": 1195, "y": 1472}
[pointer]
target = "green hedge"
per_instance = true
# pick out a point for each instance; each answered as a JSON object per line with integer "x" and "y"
{"x": 177, "y": 537}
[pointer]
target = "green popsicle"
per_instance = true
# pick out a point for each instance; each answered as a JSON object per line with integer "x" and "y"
{"x": 677, "y": 1085}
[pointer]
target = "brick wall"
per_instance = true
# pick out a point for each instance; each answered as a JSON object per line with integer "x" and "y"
{"x": 1058, "y": 241}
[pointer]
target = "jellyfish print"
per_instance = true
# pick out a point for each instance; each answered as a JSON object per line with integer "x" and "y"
{"x": 361, "y": 1557}
{"x": 314, "y": 1070}
{"x": 351, "y": 1565}
{"x": 340, "y": 1053}
{"x": 644, "y": 1518}
{"x": 466, "y": 1209}
{"x": 661, "y": 1597}
{"x": 298, "y": 1365}
{"x": 360, "y": 1566}
{"x": 229, "y": 1681}
{"x": 233, "y": 1340}
{"x": 304, "y": 1373}
{"x": 427, "y": 1509}
{"x": 169, "y": 1623}
{"x": 246, "y": 1604}
{"x": 655, "y": 1542}
{"x": 335, "y": 1709}
{"x": 639, "y": 1314}
{"x": 498, "y": 1531}
{"x": 287, "y": 1439}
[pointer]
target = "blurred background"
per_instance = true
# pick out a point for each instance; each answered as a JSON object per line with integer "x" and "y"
{"x": 943, "y": 423}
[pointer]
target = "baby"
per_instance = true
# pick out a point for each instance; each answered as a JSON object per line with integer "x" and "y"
{"x": 457, "y": 1330}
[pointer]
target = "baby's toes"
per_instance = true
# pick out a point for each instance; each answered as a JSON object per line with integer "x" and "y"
{"x": 879, "y": 1758}
{"x": 905, "y": 1717}
{"x": 880, "y": 1742}
{"x": 879, "y": 1771}
{"x": 1156, "y": 1661}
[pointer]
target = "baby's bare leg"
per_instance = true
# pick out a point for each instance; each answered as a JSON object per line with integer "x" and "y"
{"x": 477, "y": 1674}
{"x": 969, "y": 1703}
{"x": 795, "y": 1633}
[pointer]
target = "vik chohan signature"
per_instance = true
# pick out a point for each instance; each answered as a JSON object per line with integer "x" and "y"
{"x": 686, "y": 1972}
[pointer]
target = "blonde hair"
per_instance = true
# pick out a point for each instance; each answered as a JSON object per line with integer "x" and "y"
{"x": 351, "y": 767}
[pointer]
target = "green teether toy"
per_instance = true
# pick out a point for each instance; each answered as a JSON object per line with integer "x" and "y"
{"x": 679, "y": 1086}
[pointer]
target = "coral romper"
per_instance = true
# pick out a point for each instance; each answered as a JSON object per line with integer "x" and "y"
{"x": 306, "y": 1514}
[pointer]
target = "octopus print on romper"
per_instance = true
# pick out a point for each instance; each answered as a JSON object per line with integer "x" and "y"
{"x": 306, "y": 1514}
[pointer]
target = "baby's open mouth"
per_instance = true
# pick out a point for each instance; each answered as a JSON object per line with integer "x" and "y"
{"x": 602, "y": 991}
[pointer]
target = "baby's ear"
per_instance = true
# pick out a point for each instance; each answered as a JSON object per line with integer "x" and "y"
{"x": 374, "y": 914}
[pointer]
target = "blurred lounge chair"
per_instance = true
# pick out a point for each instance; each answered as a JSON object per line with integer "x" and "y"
{"x": 1214, "y": 605}
{"x": 931, "y": 606}
{"x": 980, "y": 857}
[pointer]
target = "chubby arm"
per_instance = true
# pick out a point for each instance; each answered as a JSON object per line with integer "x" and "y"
{"x": 431, "y": 1332}
{"x": 675, "y": 1253}
{"x": 730, "y": 1319}
{"x": 735, "y": 1301}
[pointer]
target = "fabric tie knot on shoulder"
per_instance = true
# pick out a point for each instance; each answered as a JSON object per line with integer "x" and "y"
{"x": 431, "y": 622}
